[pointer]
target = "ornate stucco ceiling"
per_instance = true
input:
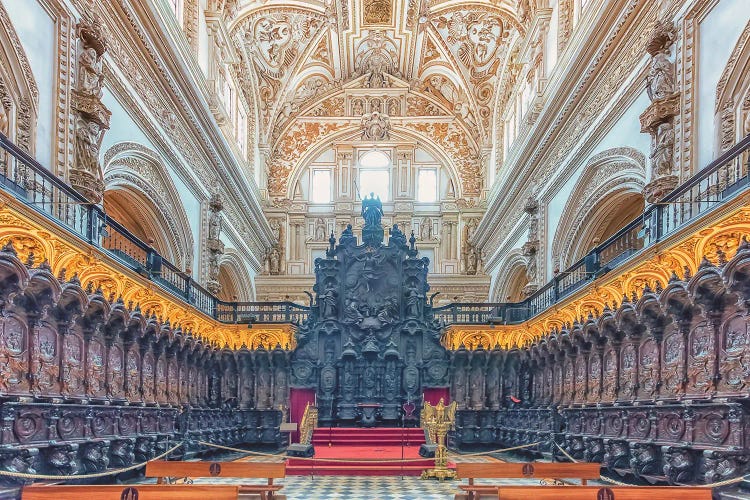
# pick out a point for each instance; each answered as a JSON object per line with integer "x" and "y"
{"x": 304, "y": 64}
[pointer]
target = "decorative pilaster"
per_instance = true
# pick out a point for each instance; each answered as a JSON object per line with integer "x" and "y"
{"x": 658, "y": 118}
{"x": 90, "y": 114}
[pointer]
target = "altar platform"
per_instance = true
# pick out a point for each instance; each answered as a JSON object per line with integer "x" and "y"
{"x": 373, "y": 451}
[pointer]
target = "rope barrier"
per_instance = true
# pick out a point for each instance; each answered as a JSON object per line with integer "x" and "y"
{"x": 501, "y": 450}
{"x": 75, "y": 477}
{"x": 717, "y": 484}
{"x": 371, "y": 460}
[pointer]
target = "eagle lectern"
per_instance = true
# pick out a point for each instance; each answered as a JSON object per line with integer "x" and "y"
{"x": 438, "y": 420}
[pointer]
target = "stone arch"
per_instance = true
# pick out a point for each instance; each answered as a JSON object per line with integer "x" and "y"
{"x": 607, "y": 196}
{"x": 135, "y": 177}
{"x": 351, "y": 135}
{"x": 509, "y": 286}
{"x": 732, "y": 108}
{"x": 236, "y": 282}
{"x": 19, "y": 94}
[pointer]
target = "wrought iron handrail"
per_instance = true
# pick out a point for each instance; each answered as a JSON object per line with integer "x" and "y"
{"x": 31, "y": 183}
{"x": 720, "y": 181}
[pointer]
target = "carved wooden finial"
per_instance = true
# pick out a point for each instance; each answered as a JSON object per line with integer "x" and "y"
{"x": 9, "y": 248}
{"x": 61, "y": 275}
{"x": 90, "y": 287}
{"x": 44, "y": 266}
{"x": 647, "y": 288}
{"x": 688, "y": 274}
{"x": 658, "y": 287}
{"x": 721, "y": 257}
{"x": 744, "y": 244}
{"x": 674, "y": 277}
{"x": 634, "y": 296}
{"x": 705, "y": 263}
{"x": 30, "y": 260}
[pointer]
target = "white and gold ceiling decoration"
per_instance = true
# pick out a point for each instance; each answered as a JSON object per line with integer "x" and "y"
{"x": 315, "y": 68}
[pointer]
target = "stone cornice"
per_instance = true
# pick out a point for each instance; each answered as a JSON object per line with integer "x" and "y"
{"x": 569, "y": 86}
{"x": 177, "y": 76}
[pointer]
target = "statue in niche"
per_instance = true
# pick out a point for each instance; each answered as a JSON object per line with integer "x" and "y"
{"x": 372, "y": 211}
{"x": 328, "y": 302}
{"x": 88, "y": 140}
{"x": 328, "y": 379}
{"x": 4, "y": 118}
{"x": 320, "y": 230}
{"x": 393, "y": 108}
{"x": 358, "y": 108}
{"x": 662, "y": 150}
{"x": 90, "y": 73}
{"x": 349, "y": 380}
{"x": 375, "y": 126}
{"x": 413, "y": 302}
{"x": 425, "y": 230}
{"x": 369, "y": 379}
{"x": 274, "y": 261}
{"x": 390, "y": 381}
{"x": 660, "y": 79}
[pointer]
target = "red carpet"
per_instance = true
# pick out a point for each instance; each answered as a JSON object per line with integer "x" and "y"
{"x": 380, "y": 447}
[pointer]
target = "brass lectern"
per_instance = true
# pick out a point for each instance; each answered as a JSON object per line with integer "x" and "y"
{"x": 438, "y": 420}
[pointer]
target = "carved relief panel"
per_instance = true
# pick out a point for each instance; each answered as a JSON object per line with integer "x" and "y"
{"x": 734, "y": 356}
{"x": 95, "y": 373}
{"x": 14, "y": 355}
{"x": 673, "y": 363}
{"x": 648, "y": 369}
{"x": 73, "y": 369}
{"x": 700, "y": 359}
{"x": 628, "y": 371}
{"x": 45, "y": 360}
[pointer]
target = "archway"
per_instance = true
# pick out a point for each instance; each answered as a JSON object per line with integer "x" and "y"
{"x": 140, "y": 195}
{"x": 608, "y": 195}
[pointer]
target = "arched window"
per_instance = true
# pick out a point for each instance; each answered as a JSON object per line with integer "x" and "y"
{"x": 374, "y": 174}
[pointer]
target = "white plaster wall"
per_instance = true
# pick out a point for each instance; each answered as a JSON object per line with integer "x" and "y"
{"x": 125, "y": 129}
{"x": 718, "y": 34}
{"x": 202, "y": 42}
{"x": 626, "y": 132}
{"x": 122, "y": 126}
{"x": 36, "y": 30}
{"x": 550, "y": 52}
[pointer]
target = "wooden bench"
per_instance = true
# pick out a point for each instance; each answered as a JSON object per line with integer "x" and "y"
{"x": 161, "y": 469}
{"x": 603, "y": 493}
{"x": 132, "y": 492}
{"x": 519, "y": 470}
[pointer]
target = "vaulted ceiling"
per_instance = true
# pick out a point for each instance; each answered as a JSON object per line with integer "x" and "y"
{"x": 302, "y": 62}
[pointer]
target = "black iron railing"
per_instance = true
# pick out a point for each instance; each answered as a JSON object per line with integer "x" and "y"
{"x": 38, "y": 188}
{"x": 722, "y": 180}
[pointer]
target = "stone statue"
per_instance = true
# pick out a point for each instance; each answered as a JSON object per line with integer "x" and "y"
{"x": 660, "y": 79}
{"x": 274, "y": 261}
{"x": 425, "y": 229}
{"x": 413, "y": 302}
{"x": 88, "y": 140}
{"x": 375, "y": 60}
{"x": 389, "y": 312}
{"x": 375, "y": 126}
{"x": 372, "y": 210}
{"x": 328, "y": 302}
{"x": 358, "y": 108}
{"x": 662, "y": 152}
{"x": 90, "y": 76}
{"x": 320, "y": 230}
